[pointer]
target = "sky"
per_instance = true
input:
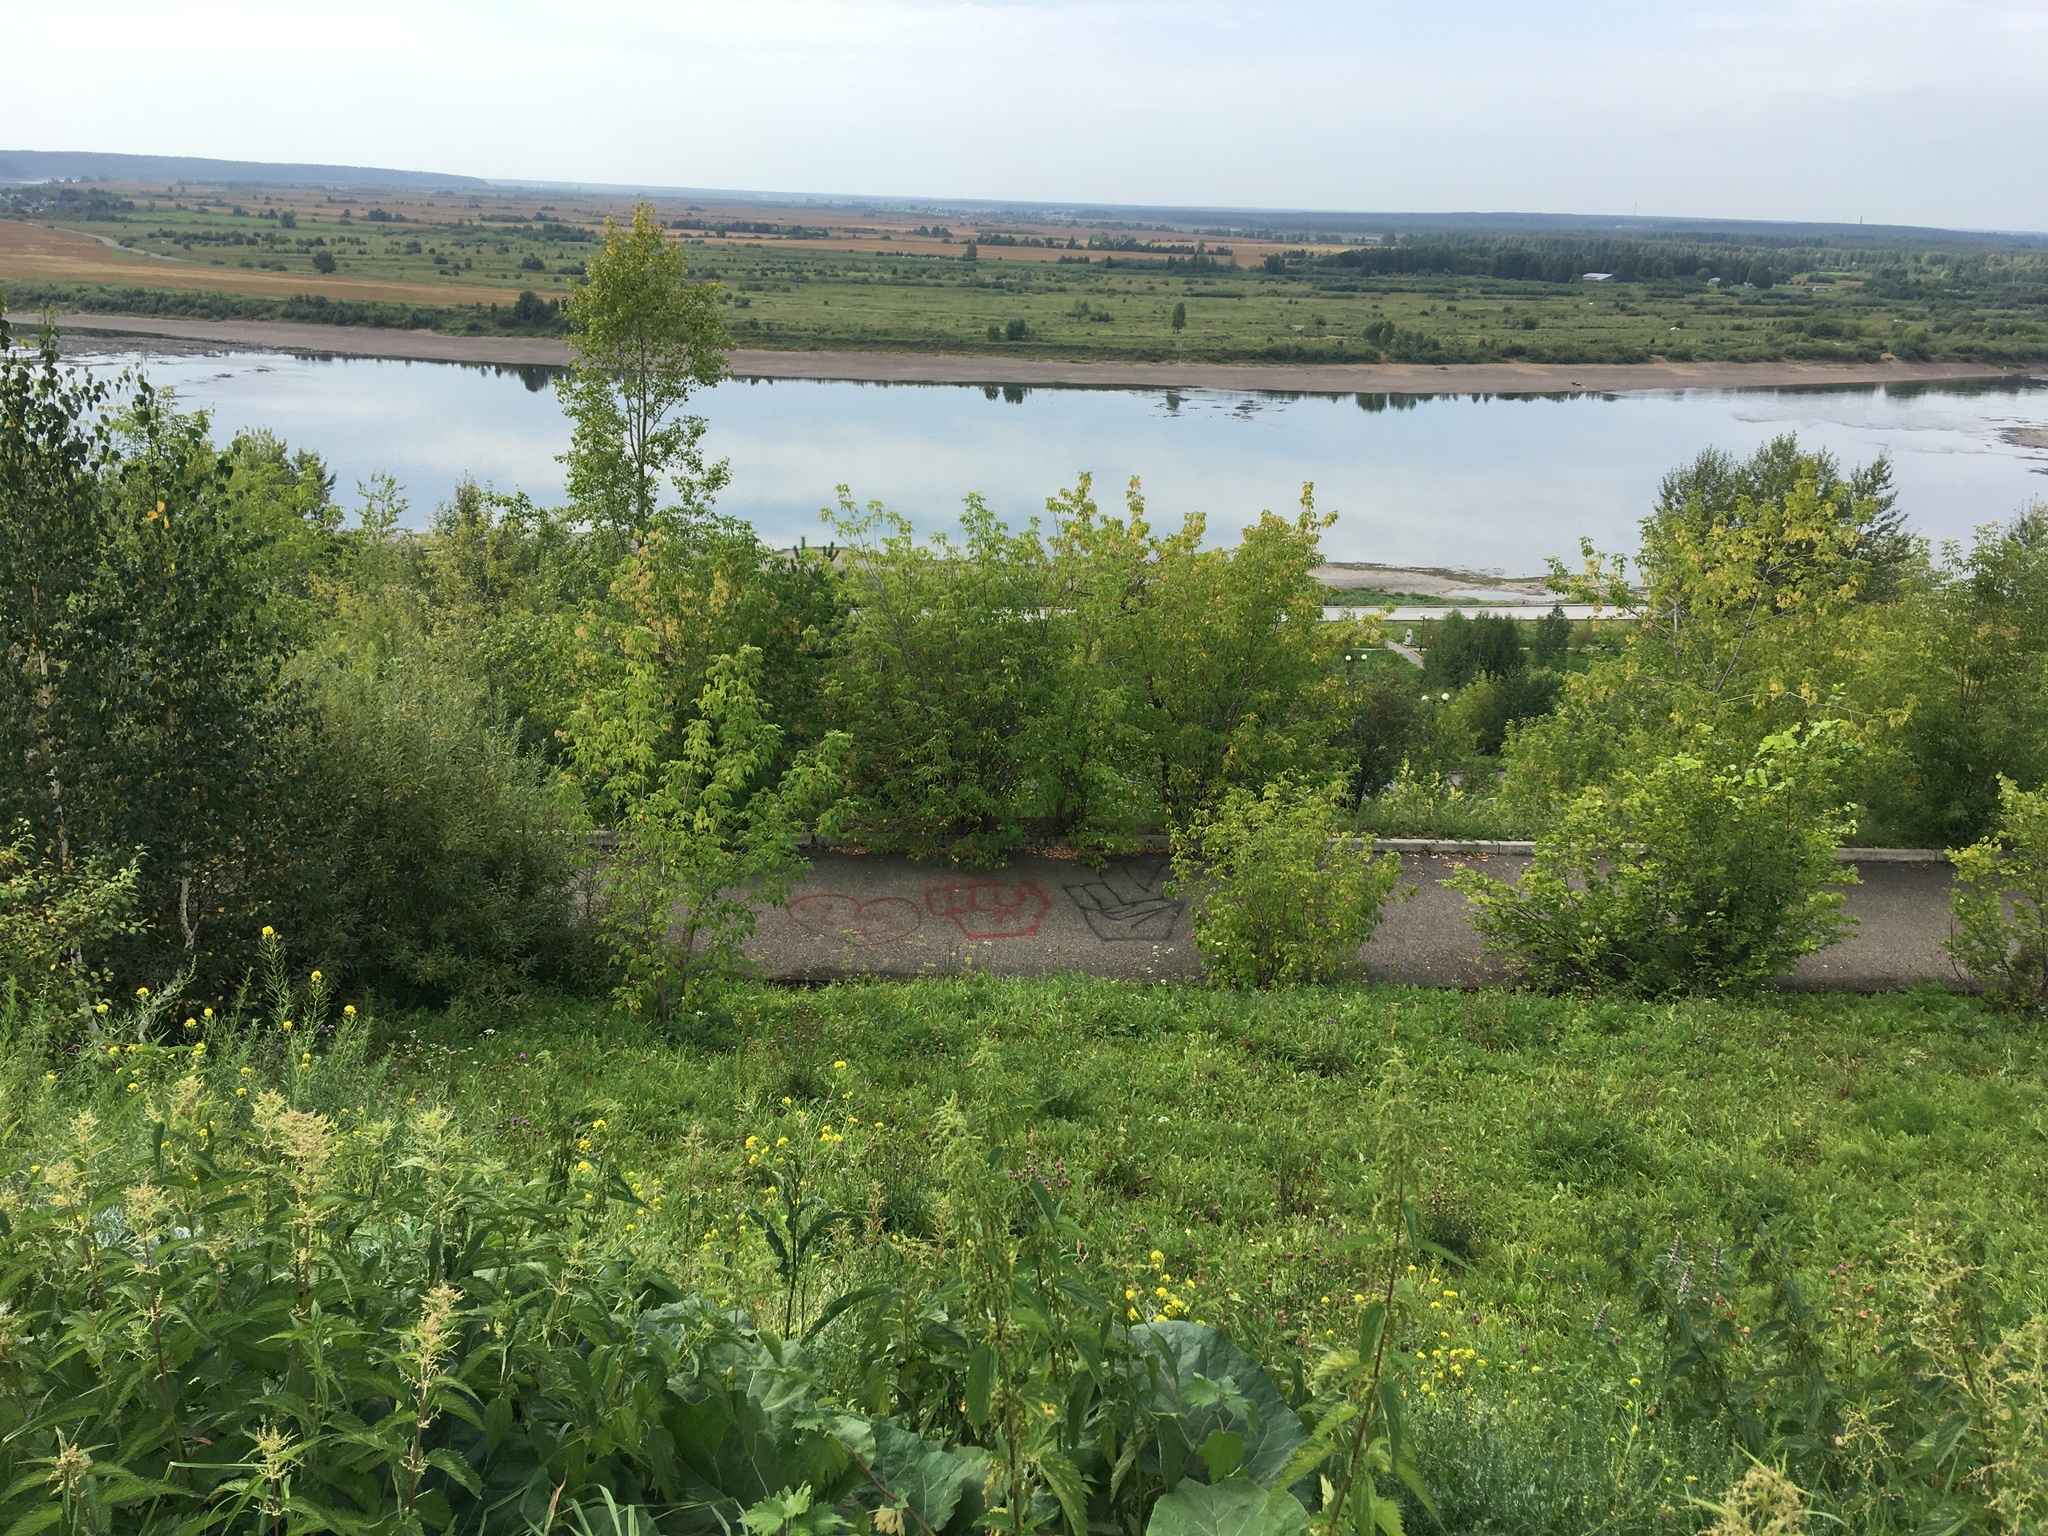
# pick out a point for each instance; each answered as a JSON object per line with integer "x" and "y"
{"x": 1930, "y": 112}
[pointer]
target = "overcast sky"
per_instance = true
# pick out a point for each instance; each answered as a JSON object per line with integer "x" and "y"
{"x": 1896, "y": 111}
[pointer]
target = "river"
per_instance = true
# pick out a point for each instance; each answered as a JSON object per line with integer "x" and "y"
{"x": 1482, "y": 483}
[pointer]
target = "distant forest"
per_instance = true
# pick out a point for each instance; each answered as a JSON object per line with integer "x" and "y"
{"x": 2017, "y": 275}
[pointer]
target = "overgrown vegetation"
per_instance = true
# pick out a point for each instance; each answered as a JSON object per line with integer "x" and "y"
{"x": 966, "y": 1254}
{"x": 1283, "y": 295}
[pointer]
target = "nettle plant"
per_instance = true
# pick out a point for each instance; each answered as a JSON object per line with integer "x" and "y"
{"x": 226, "y": 1307}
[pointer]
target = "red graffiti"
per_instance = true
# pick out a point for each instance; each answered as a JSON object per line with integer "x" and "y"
{"x": 990, "y": 909}
{"x": 881, "y": 921}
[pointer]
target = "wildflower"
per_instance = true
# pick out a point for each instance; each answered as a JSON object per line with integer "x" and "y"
{"x": 142, "y": 992}
{"x": 286, "y": 1026}
{"x": 316, "y": 976}
{"x": 1635, "y": 1381}
{"x": 99, "y": 1008}
{"x": 597, "y": 1125}
{"x": 269, "y": 932}
{"x": 1158, "y": 1257}
{"x": 191, "y": 1023}
{"x": 206, "y": 1013}
{"x": 348, "y": 1010}
{"x": 241, "y": 1093}
{"x": 838, "y": 1066}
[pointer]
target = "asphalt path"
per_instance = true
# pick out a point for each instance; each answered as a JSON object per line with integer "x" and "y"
{"x": 1039, "y": 915}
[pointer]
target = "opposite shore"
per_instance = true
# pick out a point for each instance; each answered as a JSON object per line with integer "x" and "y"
{"x": 1508, "y": 378}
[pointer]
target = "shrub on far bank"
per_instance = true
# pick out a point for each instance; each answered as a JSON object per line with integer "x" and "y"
{"x": 1687, "y": 876}
{"x": 2000, "y": 901}
{"x": 1282, "y": 891}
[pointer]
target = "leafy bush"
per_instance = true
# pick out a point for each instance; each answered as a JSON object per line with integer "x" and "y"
{"x": 51, "y": 912}
{"x": 709, "y": 837}
{"x": 2000, "y": 901}
{"x": 140, "y": 705}
{"x": 1461, "y": 649}
{"x": 447, "y": 854}
{"x": 1282, "y": 892}
{"x": 1686, "y": 877}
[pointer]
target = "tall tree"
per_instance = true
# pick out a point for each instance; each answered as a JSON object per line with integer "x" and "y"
{"x": 644, "y": 339}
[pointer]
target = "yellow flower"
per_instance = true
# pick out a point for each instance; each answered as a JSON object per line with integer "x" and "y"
{"x": 206, "y": 1013}
{"x": 316, "y": 975}
{"x": 286, "y": 1025}
{"x": 241, "y": 1093}
{"x": 597, "y": 1125}
{"x": 269, "y": 932}
{"x": 349, "y": 1010}
{"x": 838, "y": 1066}
{"x": 191, "y": 1023}
{"x": 142, "y": 991}
{"x": 1158, "y": 1257}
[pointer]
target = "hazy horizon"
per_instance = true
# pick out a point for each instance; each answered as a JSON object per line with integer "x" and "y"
{"x": 1807, "y": 111}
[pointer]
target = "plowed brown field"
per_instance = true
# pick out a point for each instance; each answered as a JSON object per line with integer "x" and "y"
{"x": 33, "y": 253}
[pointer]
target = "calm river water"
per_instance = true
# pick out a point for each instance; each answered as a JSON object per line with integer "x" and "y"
{"x": 1480, "y": 483}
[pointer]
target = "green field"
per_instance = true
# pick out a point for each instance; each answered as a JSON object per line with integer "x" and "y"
{"x": 1836, "y": 1178}
{"x": 1113, "y": 296}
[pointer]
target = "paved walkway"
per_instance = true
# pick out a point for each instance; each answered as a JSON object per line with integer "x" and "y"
{"x": 864, "y": 915}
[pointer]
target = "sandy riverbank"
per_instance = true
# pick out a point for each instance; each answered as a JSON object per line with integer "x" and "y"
{"x": 911, "y": 368}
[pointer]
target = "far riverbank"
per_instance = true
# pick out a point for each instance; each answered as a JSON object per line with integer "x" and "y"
{"x": 1507, "y": 378}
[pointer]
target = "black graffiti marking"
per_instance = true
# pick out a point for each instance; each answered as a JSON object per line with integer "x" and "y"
{"x": 1127, "y": 906}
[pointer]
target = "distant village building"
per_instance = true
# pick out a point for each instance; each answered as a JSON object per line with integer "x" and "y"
{"x": 1599, "y": 277}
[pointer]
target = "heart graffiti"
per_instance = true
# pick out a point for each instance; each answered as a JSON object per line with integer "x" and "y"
{"x": 861, "y": 923}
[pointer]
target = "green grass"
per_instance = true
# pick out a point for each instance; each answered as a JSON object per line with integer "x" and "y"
{"x": 1224, "y": 1158}
{"x": 1236, "y": 1135}
{"x": 783, "y": 296}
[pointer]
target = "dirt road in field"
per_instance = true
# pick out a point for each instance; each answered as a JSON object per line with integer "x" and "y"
{"x": 914, "y": 368}
{"x": 862, "y": 915}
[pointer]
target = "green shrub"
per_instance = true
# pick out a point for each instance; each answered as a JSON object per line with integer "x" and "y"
{"x": 1685, "y": 877}
{"x": 2000, "y": 901}
{"x": 709, "y": 837}
{"x": 51, "y": 912}
{"x": 448, "y": 854}
{"x": 1282, "y": 891}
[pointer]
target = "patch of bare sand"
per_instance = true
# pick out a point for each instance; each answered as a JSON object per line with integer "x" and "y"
{"x": 968, "y": 368}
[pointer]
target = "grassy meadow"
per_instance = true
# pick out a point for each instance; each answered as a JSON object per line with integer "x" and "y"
{"x": 865, "y": 280}
{"x": 1828, "y": 1173}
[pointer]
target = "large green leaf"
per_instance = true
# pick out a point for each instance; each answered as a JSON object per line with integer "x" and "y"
{"x": 1233, "y": 1507}
{"x": 1186, "y": 1355}
{"x": 926, "y": 1477}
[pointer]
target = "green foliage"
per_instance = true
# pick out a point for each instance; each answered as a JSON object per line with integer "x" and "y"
{"x": 1219, "y": 668}
{"x": 946, "y": 680}
{"x": 140, "y": 694}
{"x": 708, "y": 836}
{"x": 1462, "y": 649}
{"x": 52, "y": 915}
{"x": 1081, "y": 685}
{"x": 643, "y": 340}
{"x": 448, "y": 853}
{"x": 2000, "y": 901}
{"x": 698, "y": 588}
{"x": 1967, "y": 668}
{"x": 1687, "y": 876}
{"x": 1280, "y": 892}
